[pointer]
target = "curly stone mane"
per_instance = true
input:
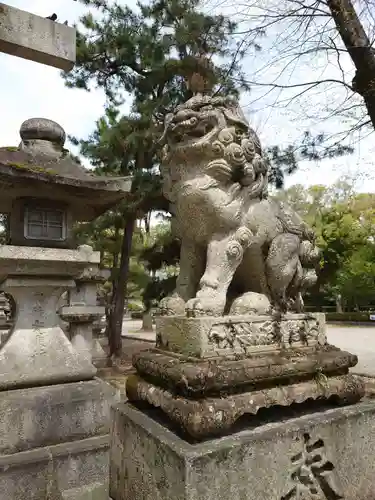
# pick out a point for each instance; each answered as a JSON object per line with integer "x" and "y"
{"x": 213, "y": 133}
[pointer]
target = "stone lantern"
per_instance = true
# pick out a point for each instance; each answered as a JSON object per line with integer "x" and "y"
{"x": 46, "y": 378}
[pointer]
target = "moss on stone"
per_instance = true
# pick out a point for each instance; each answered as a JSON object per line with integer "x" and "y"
{"x": 11, "y": 148}
{"x": 17, "y": 165}
{"x": 33, "y": 168}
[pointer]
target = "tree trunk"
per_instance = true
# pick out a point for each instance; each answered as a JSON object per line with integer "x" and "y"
{"x": 111, "y": 300}
{"x": 119, "y": 293}
{"x": 102, "y": 255}
{"x": 115, "y": 260}
{"x": 147, "y": 222}
{"x": 359, "y": 48}
{"x": 115, "y": 255}
{"x": 147, "y": 321}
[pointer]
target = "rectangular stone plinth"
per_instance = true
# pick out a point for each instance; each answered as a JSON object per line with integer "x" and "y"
{"x": 81, "y": 313}
{"x": 32, "y": 418}
{"x": 54, "y": 441}
{"x": 214, "y": 336}
{"x": 32, "y": 37}
{"x": 323, "y": 456}
{"x": 35, "y": 261}
{"x": 192, "y": 377}
{"x": 63, "y": 472}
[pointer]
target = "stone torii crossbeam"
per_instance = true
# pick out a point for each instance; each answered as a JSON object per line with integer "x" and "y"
{"x": 37, "y": 39}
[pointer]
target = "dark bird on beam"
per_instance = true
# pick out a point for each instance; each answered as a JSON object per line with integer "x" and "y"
{"x": 52, "y": 17}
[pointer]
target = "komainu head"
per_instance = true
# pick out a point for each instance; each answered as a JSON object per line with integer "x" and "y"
{"x": 210, "y": 135}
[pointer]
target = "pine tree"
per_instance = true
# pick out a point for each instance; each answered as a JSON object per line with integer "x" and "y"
{"x": 150, "y": 54}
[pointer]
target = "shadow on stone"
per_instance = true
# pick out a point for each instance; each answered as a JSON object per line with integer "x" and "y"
{"x": 264, "y": 416}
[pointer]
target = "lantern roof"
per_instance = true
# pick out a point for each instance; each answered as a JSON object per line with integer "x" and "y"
{"x": 40, "y": 167}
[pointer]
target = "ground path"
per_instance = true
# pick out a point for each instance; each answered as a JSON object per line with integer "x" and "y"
{"x": 359, "y": 340}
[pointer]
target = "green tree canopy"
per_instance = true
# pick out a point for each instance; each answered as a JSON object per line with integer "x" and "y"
{"x": 344, "y": 222}
{"x": 150, "y": 54}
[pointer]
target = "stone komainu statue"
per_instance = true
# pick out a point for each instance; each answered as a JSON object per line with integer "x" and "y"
{"x": 241, "y": 251}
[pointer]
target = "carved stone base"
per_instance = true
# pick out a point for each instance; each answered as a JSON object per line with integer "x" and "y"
{"x": 192, "y": 377}
{"x": 216, "y": 415}
{"x": 207, "y": 372}
{"x": 214, "y": 336}
{"x": 322, "y": 456}
{"x": 205, "y": 396}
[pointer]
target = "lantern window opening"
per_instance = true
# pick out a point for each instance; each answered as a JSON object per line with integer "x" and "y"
{"x": 44, "y": 224}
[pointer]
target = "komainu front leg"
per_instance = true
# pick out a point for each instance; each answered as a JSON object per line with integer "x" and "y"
{"x": 192, "y": 261}
{"x": 224, "y": 255}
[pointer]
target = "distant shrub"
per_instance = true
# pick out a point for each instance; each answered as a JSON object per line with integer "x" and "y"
{"x": 354, "y": 317}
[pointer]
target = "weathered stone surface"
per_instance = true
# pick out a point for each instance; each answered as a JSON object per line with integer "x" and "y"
{"x": 189, "y": 376}
{"x": 42, "y": 262}
{"x": 235, "y": 371}
{"x": 54, "y": 441}
{"x": 95, "y": 491}
{"x": 235, "y": 240}
{"x": 208, "y": 416}
{"x": 48, "y": 415}
{"x": 82, "y": 312}
{"x": 38, "y": 351}
{"x": 35, "y": 38}
{"x": 54, "y": 472}
{"x": 98, "y": 354}
{"x": 24, "y": 362}
{"x": 81, "y": 319}
{"x": 251, "y": 303}
{"x": 212, "y": 336}
{"x": 322, "y": 456}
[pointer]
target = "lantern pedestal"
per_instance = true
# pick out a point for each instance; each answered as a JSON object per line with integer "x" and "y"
{"x": 54, "y": 423}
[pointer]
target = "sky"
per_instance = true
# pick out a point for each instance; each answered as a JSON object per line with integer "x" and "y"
{"x": 29, "y": 89}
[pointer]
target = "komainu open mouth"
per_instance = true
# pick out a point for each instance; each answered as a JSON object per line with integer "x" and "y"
{"x": 189, "y": 128}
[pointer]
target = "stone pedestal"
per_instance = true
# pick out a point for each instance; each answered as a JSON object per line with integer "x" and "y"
{"x": 82, "y": 313}
{"x": 38, "y": 351}
{"x": 54, "y": 417}
{"x": 207, "y": 372}
{"x": 54, "y": 441}
{"x": 99, "y": 332}
{"x": 323, "y": 456}
{"x": 99, "y": 356}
